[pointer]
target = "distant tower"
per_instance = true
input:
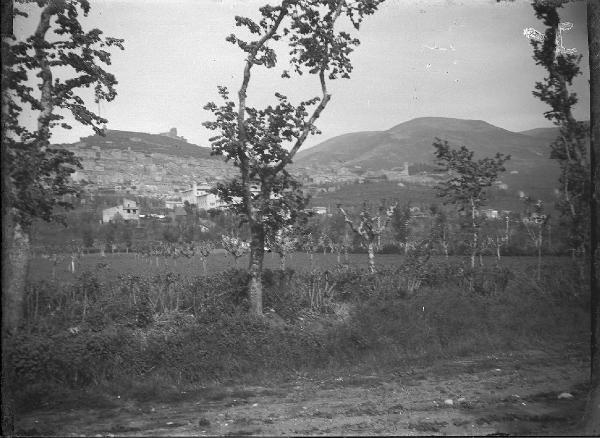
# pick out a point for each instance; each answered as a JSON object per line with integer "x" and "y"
{"x": 404, "y": 171}
{"x": 173, "y": 132}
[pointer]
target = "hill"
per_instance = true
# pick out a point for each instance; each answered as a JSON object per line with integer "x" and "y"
{"x": 146, "y": 143}
{"x": 548, "y": 134}
{"x": 419, "y": 195}
{"x": 530, "y": 167}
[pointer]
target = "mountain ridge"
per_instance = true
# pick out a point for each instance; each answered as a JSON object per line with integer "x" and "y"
{"x": 412, "y": 142}
{"x": 145, "y": 143}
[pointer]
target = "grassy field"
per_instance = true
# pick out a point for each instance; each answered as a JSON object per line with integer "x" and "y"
{"x": 122, "y": 263}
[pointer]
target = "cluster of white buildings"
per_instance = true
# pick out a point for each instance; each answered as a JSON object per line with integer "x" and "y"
{"x": 200, "y": 196}
{"x": 127, "y": 211}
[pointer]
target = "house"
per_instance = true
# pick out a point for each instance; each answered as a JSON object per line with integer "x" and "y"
{"x": 127, "y": 211}
{"x": 210, "y": 201}
{"x": 192, "y": 195}
{"x": 172, "y": 204}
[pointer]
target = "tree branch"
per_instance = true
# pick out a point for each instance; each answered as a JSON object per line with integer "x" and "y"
{"x": 45, "y": 74}
{"x": 249, "y": 63}
{"x": 242, "y": 94}
{"x": 349, "y": 221}
{"x": 326, "y": 97}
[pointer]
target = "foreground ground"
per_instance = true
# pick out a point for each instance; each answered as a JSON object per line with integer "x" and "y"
{"x": 505, "y": 393}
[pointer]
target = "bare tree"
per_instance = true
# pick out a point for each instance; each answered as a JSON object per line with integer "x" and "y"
{"x": 370, "y": 227}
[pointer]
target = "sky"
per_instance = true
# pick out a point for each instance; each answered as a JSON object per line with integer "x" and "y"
{"x": 418, "y": 58}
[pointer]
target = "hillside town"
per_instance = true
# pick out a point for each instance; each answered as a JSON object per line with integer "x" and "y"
{"x": 113, "y": 168}
{"x": 158, "y": 175}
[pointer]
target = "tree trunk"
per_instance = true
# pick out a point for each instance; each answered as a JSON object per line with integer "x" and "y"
{"x": 7, "y": 371}
{"x": 371, "y": 250}
{"x": 14, "y": 273}
{"x": 14, "y": 289}
{"x": 282, "y": 259}
{"x": 475, "y": 235}
{"x": 592, "y": 412}
{"x": 257, "y": 254}
{"x": 539, "y": 261}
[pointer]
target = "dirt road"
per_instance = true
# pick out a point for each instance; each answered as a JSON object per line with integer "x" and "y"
{"x": 510, "y": 393}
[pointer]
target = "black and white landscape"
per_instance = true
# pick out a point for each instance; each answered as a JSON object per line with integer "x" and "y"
{"x": 298, "y": 217}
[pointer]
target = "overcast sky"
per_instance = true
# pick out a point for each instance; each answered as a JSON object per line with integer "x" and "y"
{"x": 464, "y": 59}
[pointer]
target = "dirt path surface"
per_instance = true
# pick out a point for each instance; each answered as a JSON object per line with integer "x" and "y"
{"x": 512, "y": 393}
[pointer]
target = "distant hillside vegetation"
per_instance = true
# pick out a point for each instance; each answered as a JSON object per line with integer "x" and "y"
{"x": 529, "y": 167}
{"x": 147, "y": 143}
{"x": 548, "y": 134}
{"x": 418, "y": 195}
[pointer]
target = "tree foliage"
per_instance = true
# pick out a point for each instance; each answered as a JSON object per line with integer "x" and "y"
{"x": 569, "y": 148}
{"x": 261, "y": 142}
{"x": 235, "y": 246}
{"x": 466, "y": 184}
{"x": 40, "y": 173}
{"x": 468, "y": 178}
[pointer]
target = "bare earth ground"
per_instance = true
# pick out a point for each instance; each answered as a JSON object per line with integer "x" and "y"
{"x": 507, "y": 393}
